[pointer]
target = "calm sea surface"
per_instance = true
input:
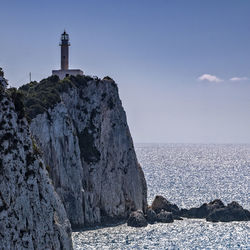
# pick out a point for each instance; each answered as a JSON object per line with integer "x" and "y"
{"x": 188, "y": 175}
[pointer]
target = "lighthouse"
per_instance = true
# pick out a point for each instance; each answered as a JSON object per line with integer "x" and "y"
{"x": 64, "y": 51}
{"x": 65, "y": 71}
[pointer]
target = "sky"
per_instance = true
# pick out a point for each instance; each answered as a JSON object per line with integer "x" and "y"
{"x": 182, "y": 67}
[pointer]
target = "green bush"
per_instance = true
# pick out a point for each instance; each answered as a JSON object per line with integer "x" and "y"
{"x": 38, "y": 97}
{"x": 17, "y": 98}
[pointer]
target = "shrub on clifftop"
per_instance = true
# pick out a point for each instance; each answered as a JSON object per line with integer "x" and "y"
{"x": 38, "y": 97}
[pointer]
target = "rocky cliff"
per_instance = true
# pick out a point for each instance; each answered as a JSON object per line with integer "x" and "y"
{"x": 31, "y": 213}
{"x": 81, "y": 128}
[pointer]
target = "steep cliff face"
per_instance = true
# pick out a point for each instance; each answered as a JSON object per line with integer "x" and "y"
{"x": 31, "y": 213}
{"x": 87, "y": 146}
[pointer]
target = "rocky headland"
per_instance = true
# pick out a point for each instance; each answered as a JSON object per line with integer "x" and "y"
{"x": 32, "y": 215}
{"x": 67, "y": 160}
{"x": 80, "y": 126}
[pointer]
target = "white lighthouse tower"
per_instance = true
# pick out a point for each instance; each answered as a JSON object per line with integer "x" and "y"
{"x": 65, "y": 71}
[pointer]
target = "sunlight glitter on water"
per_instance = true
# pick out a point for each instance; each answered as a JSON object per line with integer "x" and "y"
{"x": 186, "y": 234}
{"x": 187, "y": 175}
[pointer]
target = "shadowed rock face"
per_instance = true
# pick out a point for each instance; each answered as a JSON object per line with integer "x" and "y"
{"x": 213, "y": 211}
{"x": 151, "y": 216}
{"x": 31, "y": 214}
{"x": 203, "y": 211}
{"x": 87, "y": 146}
{"x": 137, "y": 219}
{"x": 216, "y": 211}
{"x": 232, "y": 212}
{"x": 161, "y": 203}
{"x": 165, "y": 217}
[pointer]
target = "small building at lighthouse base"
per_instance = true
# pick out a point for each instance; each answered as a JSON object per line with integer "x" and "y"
{"x": 64, "y": 73}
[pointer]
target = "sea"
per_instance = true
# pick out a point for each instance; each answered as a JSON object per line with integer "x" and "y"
{"x": 187, "y": 175}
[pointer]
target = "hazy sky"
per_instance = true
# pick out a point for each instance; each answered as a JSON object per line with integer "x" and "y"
{"x": 182, "y": 67}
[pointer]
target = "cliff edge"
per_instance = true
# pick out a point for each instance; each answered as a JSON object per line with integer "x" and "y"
{"x": 31, "y": 213}
{"x": 81, "y": 127}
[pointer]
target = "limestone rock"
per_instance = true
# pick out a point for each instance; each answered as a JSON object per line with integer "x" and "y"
{"x": 151, "y": 216}
{"x": 137, "y": 219}
{"x": 165, "y": 217}
{"x": 161, "y": 203}
{"x": 3, "y": 81}
{"x": 232, "y": 212}
{"x": 203, "y": 211}
{"x": 88, "y": 148}
{"x": 31, "y": 214}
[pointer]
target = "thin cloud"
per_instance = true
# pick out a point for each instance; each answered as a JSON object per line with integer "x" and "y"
{"x": 236, "y": 79}
{"x": 210, "y": 78}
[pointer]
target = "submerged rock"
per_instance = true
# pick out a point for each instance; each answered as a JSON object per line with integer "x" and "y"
{"x": 165, "y": 217}
{"x": 137, "y": 219}
{"x": 160, "y": 203}
{"x": 232, "y": 212}
{"x": 31, "y": 214}
{"x": 81, "y": 127}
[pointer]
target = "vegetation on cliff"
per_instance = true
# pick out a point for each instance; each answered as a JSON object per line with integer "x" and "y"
{"x": 31, "y": 214}
{"x": 38, "y": 97}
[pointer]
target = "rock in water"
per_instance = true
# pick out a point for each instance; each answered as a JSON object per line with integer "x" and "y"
{"x": 203, "y": 211}
{"x": 31, "y": 214}
{"x": 137, "y": 219}
{"x": 232, "y": 212}
{"x": 82, "y": 130}
{"x": 165, "y": 217}
{"x": 151, "y": 216}
{"x": 161, "y": 203}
